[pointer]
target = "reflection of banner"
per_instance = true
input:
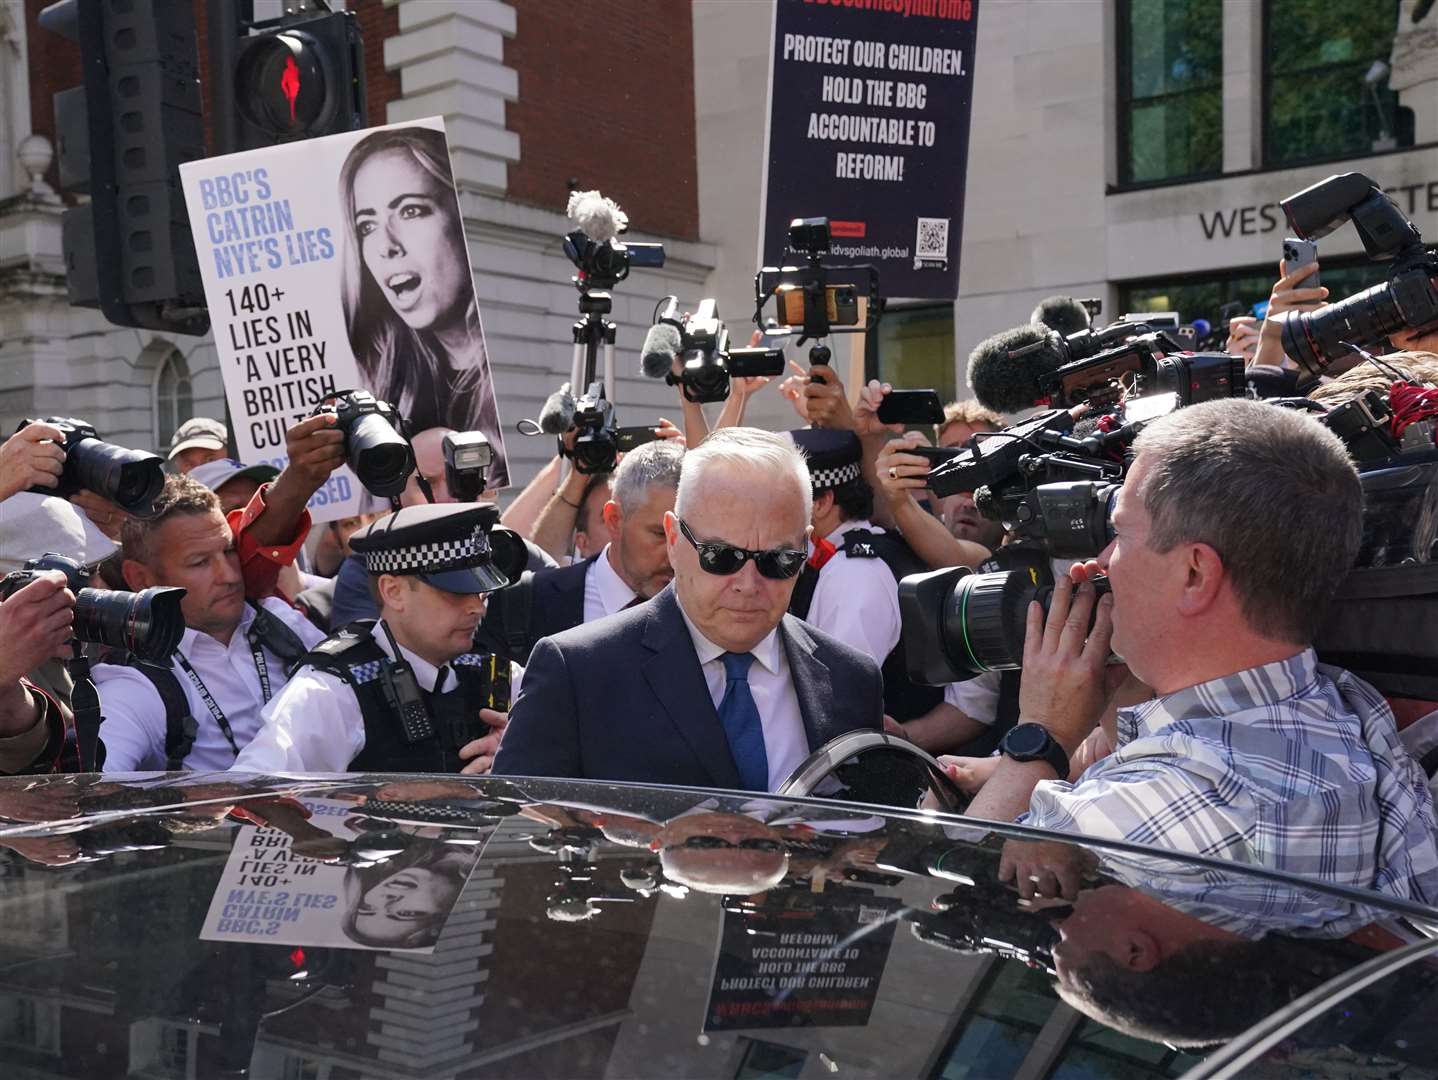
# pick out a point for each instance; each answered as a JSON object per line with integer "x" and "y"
{"x": 807, "y": 960}
{"x": 869, "y": 126}
{"x": 270, "y": 895}
{"x": 339, "y": 263}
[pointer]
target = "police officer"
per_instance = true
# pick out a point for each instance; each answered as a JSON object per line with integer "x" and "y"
{"x": 405, "y": 693}
{"x": 850, "y": 586}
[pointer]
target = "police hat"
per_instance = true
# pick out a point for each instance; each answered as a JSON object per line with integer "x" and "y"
{"x": 833, "y": 456}
{"x": 445, "y": 545}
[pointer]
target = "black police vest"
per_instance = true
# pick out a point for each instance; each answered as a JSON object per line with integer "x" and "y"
{"x": 904, "y": 699}
{"x": 353, "y": 656}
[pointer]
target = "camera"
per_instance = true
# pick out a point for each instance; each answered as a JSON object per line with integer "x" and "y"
{"x": 709, "y": 364}
{"x": 604, "y": 265}
{"x": 598, "y": 440}
{"x": 375, "y": 444}
{"x": 467, "y": 454}
{"x": 1408, "y": 300}
{"x": 1151, "y": 373}
{"x": 147, "y": 624}
{"x": 131, "y": 479}
{"x": 806, "y": 299}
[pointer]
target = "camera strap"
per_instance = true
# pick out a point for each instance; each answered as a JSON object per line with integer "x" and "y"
{"x": 262, "y": 668}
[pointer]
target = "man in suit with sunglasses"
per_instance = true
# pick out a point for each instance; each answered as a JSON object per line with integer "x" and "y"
{"x": 710, "y": 683}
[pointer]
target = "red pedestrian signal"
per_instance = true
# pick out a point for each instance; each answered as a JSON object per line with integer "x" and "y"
{"x": 299, "y": 81}
{"x": 290, "y": 84}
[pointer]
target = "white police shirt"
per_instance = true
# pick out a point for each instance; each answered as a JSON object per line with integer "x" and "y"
{"x": 856, "y": 600}
{"x": 315, "y": 726}
{"x": 133, "y": 730}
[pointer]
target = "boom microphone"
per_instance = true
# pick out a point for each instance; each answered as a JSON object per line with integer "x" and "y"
{"x": 661, "y": 345}
{"x": 557, "y": 416}
{"x": 1061, "y": 313}
{"x": 1006, "y": 383}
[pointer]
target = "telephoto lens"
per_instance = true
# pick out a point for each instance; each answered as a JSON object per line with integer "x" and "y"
{"x": 379, "y": 455}
{"x": 148, "y": 624}
{"x": 131, "y": 479}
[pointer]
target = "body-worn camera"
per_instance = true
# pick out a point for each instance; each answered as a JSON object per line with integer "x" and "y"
{"x": 709, "y": 364}
{"x": 598, "y": 441}
{"x": 467, "y": 454}
{"x": 131, "y": 479}
{"x": 1408, "y": 300}
{"x": 806, "y": 297}
{"x": 147, "y": 624}
{"x": 375, "y": 444}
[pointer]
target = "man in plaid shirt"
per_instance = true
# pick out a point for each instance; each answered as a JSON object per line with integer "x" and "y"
{"x": 1232, "y": 531}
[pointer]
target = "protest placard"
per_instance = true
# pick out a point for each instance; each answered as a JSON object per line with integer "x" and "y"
{"x": 869, "y": 126}
{"x": 341, "y": 263}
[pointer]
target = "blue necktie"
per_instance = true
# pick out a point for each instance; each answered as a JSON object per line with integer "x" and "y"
{"x": 740, "y": 717}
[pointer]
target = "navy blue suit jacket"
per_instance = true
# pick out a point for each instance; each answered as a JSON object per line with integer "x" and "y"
{"x": 514, "y": 621}
{"x": 624, "y": 699}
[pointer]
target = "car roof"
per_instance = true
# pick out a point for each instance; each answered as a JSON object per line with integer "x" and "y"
{"x": 438, "y": 926}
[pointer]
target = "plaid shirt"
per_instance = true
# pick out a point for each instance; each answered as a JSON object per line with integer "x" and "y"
{"x": 1295, "y": 766}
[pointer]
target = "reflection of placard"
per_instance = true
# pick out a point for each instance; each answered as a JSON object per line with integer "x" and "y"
{"x": 869, "y": 126}
{"x": 808, "y": 961}
{"x": 270, "y": 895}
{"x": 338, "y": 263}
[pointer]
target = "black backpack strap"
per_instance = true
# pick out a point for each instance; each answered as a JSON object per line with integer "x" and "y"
{"x": 508, "y": 622}
{"x": 803, "y": 596}
{"x": 271, "y": 632}
{"x": 180, "y": 725}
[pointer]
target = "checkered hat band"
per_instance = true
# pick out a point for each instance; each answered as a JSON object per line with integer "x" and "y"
{"x": 823, "y": 479}
{"x": 429, "y": 558}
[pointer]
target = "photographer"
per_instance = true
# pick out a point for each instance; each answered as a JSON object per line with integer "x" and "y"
{"x": 1234, "y": 526}
{"x": 35, "y": 627}
{"x": 241, "y": 641}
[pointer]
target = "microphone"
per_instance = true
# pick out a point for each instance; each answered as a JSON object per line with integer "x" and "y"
{"x": 1007, "y": 383}
{"x": 598, "y": 218}
{"x": 661, "y": 345}
{"x": 557, "y": 416}
{"x": 1061, "y": 313}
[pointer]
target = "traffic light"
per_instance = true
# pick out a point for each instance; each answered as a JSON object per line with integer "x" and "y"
{"x": 300, "y": 80}
{"x": 122, "y": 136}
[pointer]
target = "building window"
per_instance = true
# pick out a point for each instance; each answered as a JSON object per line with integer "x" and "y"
{"x": 913, "y": 348}
{"x": 174, "y": 398}
{"x": 1325, "y": 81}
{"x": 1170, "y": 55}
{"x": 29, "y": 1023}
{"x": 1205, "y": 296}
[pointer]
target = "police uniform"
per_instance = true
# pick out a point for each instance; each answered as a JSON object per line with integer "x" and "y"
{"x": 850, "y": 586}
{"x": 363, "y": 702}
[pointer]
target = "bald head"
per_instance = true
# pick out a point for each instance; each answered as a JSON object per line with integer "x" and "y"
{"x": 429, "y": 463}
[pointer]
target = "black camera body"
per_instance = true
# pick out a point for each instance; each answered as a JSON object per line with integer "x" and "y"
{"x": 709, "y": 364}
{"x": 129, "y": 478}
{"x": 807, "y": 299}
{"x": 147, "y": 624}
{"x": 1408, "y": 300}
{"x": 376, "y": 446}
{"x": 598, "y": 441}
{"x": 605, "y": 265}
{"x": 1145, "y": 367}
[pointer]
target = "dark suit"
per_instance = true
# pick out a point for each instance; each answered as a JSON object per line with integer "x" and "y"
{"x": 624, "y": 699}
{"x": 540, "y": 605}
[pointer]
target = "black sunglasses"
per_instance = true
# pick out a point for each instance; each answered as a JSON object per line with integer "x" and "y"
{"x": 713, "y": 843}
{"x": 717, "y": 557}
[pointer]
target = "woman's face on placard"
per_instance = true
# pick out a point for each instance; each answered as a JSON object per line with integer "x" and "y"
{"x": 407, "y": 225}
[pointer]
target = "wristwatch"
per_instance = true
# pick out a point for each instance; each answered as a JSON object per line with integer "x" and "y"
{"x": 1032, "y": 742}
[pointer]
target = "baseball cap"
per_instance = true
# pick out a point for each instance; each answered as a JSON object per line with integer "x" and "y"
{"x": 216, "y": 474}
{"x": 200, "y": 432}
{"x": 32, "y": 524}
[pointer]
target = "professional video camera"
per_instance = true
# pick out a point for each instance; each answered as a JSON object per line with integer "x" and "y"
{"x": 375, "y": 444}
{"x": 598, "y": 441}
{"x": 807, "y": 300}
{"x": 701, "y": 341}
{"x": 147, "y": 624}
{"x": 1408, "y": 300}
{"x": 594, "y": 247}
{"x": 131, "y": 479}
{"x": 467, "y": 454}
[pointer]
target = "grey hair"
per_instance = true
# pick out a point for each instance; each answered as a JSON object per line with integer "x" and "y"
{"x": 655, "y": 464}
{"x": 1272, "y": 491}
{"x": 761, "y": 451}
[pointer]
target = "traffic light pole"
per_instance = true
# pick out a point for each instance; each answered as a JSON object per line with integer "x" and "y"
{"x": 229, "y": 20}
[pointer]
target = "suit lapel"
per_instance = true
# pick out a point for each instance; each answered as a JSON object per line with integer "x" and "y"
{"x": 810, "y": 676}
{"x": 674, "y": 675}
{"x": 559, "y": 599}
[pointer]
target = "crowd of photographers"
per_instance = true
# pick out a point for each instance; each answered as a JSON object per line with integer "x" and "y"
{"x": 1106, "y": 626}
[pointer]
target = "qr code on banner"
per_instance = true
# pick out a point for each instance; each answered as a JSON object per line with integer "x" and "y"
{"x": 932, "y": 241}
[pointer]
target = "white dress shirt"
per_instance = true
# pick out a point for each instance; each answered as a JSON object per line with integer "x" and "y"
{"x": 786, "y": 742}
{"x": 604, "y": 590}
{"x": 315, "y": 726}
{"x": 134, "y": 726}
{"x": 976, "y": 698}
{"x": 857, "y": 600}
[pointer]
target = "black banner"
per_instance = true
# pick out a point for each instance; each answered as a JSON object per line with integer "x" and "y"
{"x": 801, "y": 960}
{"x": 869, "y": 126}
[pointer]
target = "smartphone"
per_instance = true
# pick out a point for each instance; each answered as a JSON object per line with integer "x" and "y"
{"x": 936, "y": 455}
{"x": 1298, "y": 254}
{"x": 911, "y": 407}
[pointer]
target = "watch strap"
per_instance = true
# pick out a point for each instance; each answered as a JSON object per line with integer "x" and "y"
{"x": 1050, "y": 751}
